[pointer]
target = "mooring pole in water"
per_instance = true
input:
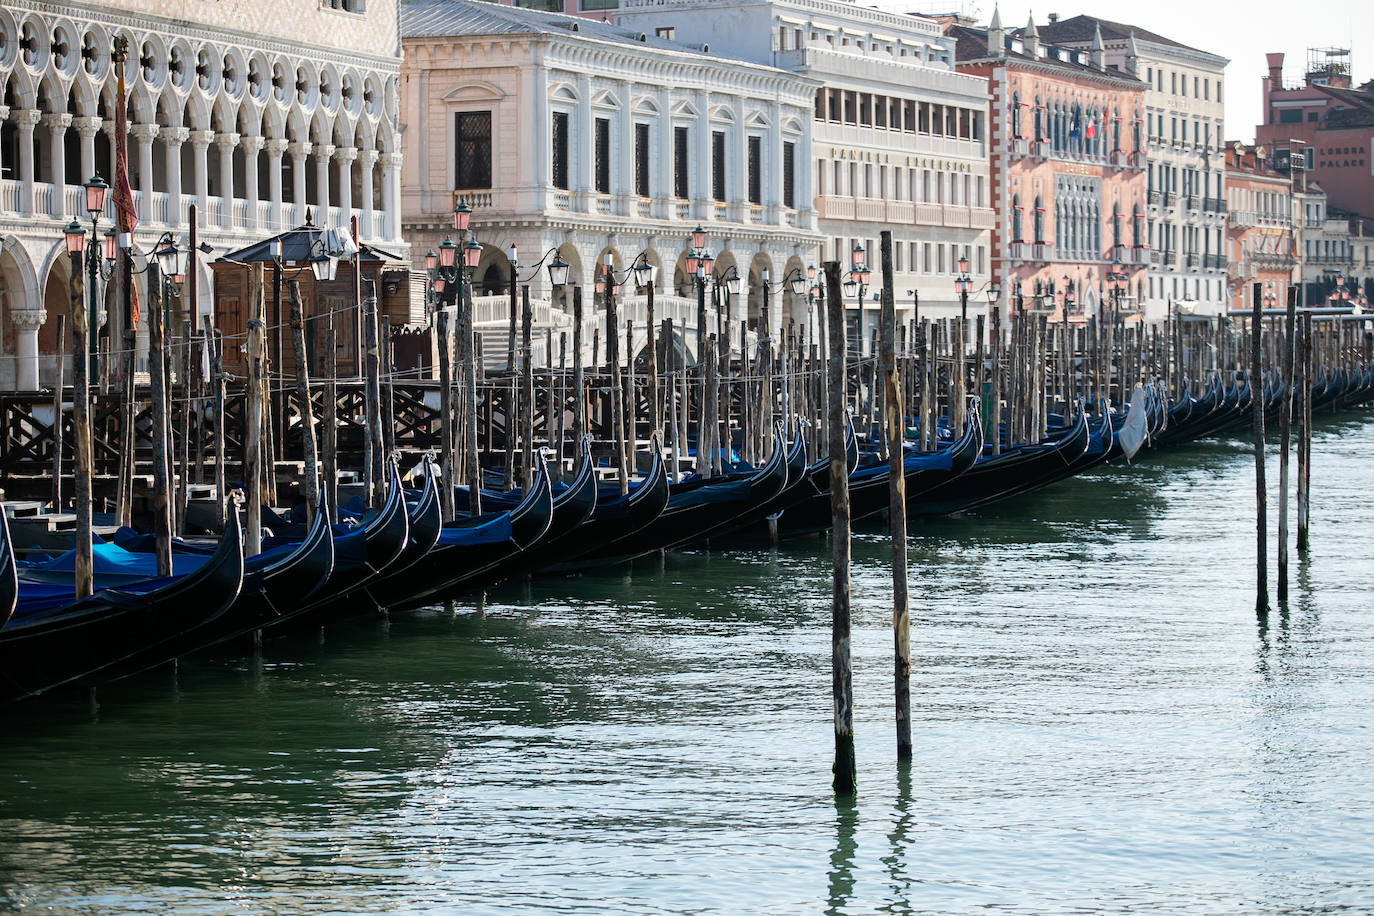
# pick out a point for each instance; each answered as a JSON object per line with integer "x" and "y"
{"x": 1305, "y": 430}
{"x": 1261, "y": 496}
{"x": 896, "y": 510}
{"x": 841, "y": 669}
{"x": 1285, "y": 436}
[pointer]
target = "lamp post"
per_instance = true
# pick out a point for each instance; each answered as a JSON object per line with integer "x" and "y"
{"x": 856, "y": 283}
{"x": 456, "y": 260}
{"x": 963, "y": 285}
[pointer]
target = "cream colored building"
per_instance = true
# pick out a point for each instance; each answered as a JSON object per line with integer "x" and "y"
{"x": 255, "y": 112}
{"x": 572, "y": 134}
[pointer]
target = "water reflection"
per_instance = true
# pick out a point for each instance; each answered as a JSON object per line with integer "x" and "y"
{"x": 899, "y": 868}
{"x": 841, "y": 886}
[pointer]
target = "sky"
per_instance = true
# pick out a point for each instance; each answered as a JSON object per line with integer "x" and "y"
{"x": 1244, "y": 33}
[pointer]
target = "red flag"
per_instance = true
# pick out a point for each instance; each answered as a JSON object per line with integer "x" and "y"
{"x": 126, "y": 214}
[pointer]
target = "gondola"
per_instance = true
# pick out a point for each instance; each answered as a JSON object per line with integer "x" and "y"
{"x": 791, "y": 491}
{"x": 697, "y": 507}
{"x": 1014, "y": 471}
{"x": 471, "y": 553}
{"x": 616, "y": 517}
{"x": 52, "y": 640}
{"x": 573, "y": 505}
{"x": 869, "y": 484}
{"x": 276, "y": 583}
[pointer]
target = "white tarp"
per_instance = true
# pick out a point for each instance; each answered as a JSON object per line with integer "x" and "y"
{"x": 1134, "y": 430}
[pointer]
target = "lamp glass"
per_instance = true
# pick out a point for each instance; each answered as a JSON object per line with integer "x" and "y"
{"x": 438, "y": 286}
{"x": 692, "y": 261}
{"x": 708, "y": 261}
{"x": 798, "y": 285}
{"x": 856, "y": 257}
{"x": 850, "y": 287}
{"x": 963, "y": 265}
{"x": 448, "y": 253}
{"x": 166, "y": 255}
{"x": 110, "y": 246}
{"x": 644, "y": 274}
{"x": 96, "y": 189}
{"x": 811, "y": 272}
{"x": 319, "y": 266}
{"x": 511, "y": 254}
{"x": 698, "y": 237}
{"x": 75, "y": 236}
{"x": 733, "y": 285}
{"x": 558, "y": 271}
{"x": 472, "y": 253}
{"x": 462, "y": 215}
{"x": 431, "y": 260}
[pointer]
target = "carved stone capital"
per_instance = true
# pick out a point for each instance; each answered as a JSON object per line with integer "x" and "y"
{"x": 87, "y": 128}
{"x": 28, "y": 319}
{"x": 275, "y": 146}
{"x": 59, "y": 120}
{"x": 324, "y": 150}
{"x": 144, "y": 133}
{"x": 201, "y": 139}
{"x": 251, "y": 145}
{"x": 391, "y": 161}
{"x": 174, "y": 136}
{"x": 226, "y": 142}
{"x": 300, "y": 149}
{"x": 346, "y": 153}
{"x": 367, "y": 158}
{"x": 25, "y": 118}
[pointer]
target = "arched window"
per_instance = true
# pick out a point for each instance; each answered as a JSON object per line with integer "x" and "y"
{"x": 1016, "y": 115}
{"x": 1039, "y": 220}
{"x": 1135, "y": 131}
{"x": 1039, "y": 120}
{"x": 1061, "y": 225}
{"x": 1116, "y": 225}
{"x": 1116, "y": 130}
{"x": 1016, "y": 218}
{"x": 1137, "y": 220}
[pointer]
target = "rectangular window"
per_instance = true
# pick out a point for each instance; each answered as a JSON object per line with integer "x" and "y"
{"x": 718, "y": 165}
{"x": 642, "y": 160}
{"x": 756, "y": 170}
{"x": 680, "y": 186}
{"x": 602, "y": 133}
{"x": 472, "y": 149}
{"x": 789, "y": 181}
{"x": 560, "y": 150}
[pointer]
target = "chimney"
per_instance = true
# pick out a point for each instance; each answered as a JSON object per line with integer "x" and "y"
{"x": 1054, "y": 17}
{"x": 1275, "y": 71}
{"x": 997, "y": 38}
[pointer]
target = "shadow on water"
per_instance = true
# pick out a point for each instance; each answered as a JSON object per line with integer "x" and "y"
{"x": 841, "y": 874}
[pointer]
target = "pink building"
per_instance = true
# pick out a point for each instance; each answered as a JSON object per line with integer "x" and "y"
{"x": 1331, "y": 121}
{"x": 1067, "y": 169}
{"x": 1259, "y": 228}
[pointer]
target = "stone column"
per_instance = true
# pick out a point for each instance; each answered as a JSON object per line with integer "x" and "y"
{"x": 226, "y": 144}
{"x": 251, "y": 147}
{"x": 391, "y": 193}
{"x": 275, "y": 147}
{"x": 201, "y": 140}
{"x": 345, "y": 156}
{"x": 4, "y": 116}
{"x": 323, "y": 153}
{"x": 626, "y": 195}
{"x": 700, "y": 177}
{"x": 26, "y": 325}
{"x": 24, "y": 121}
{"x": 663, "y": 200}
{"x": 172, "y": 138}
{"x": 772, "y": 171}
{"x": 144, "y": 134}
{"x": 584, "y": 156}
{"x": 367, "y": 158}
{"x": 299, "y": 151}
{"x": 57, "y": 124}
{"x": 86, "y": 129}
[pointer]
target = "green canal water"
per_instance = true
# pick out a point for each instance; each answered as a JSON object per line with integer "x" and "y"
{"x": 1101, "y": 724}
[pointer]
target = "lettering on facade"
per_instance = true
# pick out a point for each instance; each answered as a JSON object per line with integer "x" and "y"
{"x": 884, "y": 158}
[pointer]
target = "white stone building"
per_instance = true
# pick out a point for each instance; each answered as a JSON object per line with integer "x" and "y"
{"x": 255, "y": 112}
{"x": 1186, "y": 161}
{"x": 898, "y": 137}
{"x": 593, "y": 139}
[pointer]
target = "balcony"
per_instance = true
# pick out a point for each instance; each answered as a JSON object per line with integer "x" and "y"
{"x": 1138, "y": 160}
{"x": 1121, "y": 254}
{"x": 1193, "y": 204}
{"x": 955, "y": 216}
{"x": 1190, "y": 261}
{"x": 1214, "y": 262}
{"x": 1242, "y": 219}
{"x": 982, "y": 217}
{"x": 1119, "y": 159}
{"x": 1020, "y": 147}
{"x": 929, "y": 215}
{"x": 1152, "y": 198}
{"x": 1019, "y": 251}
{"x": 1214, "y": 205}
{"x": 1140, "y": 255}
{"x": 1040, "y": 149}
{"x": 1042, "y": 252}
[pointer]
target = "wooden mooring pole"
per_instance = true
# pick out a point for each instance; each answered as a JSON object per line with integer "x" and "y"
{"x": 310, "y": 481}
{"x": 896, "y": 510}
{"x": 1285, "y": 437}
{"x": 1261, "y": 495}
{"x": 83, "y": 572}
{"x": 841, "y": 667}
